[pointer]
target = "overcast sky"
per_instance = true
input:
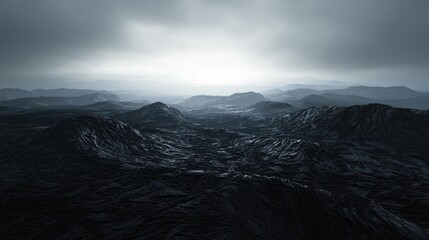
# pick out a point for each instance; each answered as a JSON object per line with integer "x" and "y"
{"x": 212, "y": 46}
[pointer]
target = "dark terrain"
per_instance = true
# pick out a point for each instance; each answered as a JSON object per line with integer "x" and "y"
{"x": 235, "y": 167}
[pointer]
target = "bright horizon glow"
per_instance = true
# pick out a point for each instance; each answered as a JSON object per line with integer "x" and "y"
{"x": 211, "y": 67}
{"x": 204, "y": 61}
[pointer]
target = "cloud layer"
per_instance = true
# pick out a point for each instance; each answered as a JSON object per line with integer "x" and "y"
{"x": 52, "y": 43}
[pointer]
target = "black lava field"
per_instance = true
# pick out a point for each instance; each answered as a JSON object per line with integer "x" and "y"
{"x": 359, "y": 172}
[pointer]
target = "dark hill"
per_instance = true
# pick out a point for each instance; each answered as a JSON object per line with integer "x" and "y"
{"x": 89, "y": 138}
{"x": 114, "y": 106}
{"x": 222, "y": 103}
{"x": 153, "y": 115}
{"x": 404, "y": 129}
{"x": 269, "y": 108}
{"x": 13, "y": 93}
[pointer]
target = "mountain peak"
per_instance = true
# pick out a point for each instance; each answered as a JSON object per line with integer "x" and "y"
{"x": 244, "y": 99}
{"x": 154, "y": 105}
{"x": 244, "y": 93}
{"x": 248, "y": 94}
{"x": 154, "y": 114}
{"x": 162, "y": 109}
{"x": 223, "y": 103}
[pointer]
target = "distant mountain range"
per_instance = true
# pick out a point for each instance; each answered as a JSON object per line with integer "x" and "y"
{"x": 330, "y": 85}
{"x": 40, "y": 102}
{"x": 204, "y": 103}
{"x": 330, "y": 99}
{"x": 16, "y": 99}
{"x": 15, "y": 93}
{"x": 269, "y": 108}
{"x": 395, "y": 96}
{"x": 115, "y": 105}
{"x": 271, "y": 103}
{"x": 397, "y": 92}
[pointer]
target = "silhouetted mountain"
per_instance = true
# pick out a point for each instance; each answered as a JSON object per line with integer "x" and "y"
{"x": 13, "y": 93}
{"x": 272, "y": 92}
{"x": 212, "y": 104}
{"x": 96, "y": 97}
{"x": 39, "y": 102}
{"x": 244, "y": 99}
{"x": 292, "y": 94}
{"x": 269, "y": 108}
{"x": 330, "y": 99}
{"x": 352, "y": 98}
{"x": 397, "y": 92}
{"x": 153, "y": 115}
{"x": 394, "y": 96}
{"x": 65, "y": 92}
{"x": 201, "y": 101}
{"x": 114, "y": 106}
{"x": 294, "y": 91}
{"x": 324, "y": 86}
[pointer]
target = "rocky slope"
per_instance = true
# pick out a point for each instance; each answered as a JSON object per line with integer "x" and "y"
{"x": 392, "y": 126}
{"x": 320, "y": 173}
{"x": 155, "y": 114}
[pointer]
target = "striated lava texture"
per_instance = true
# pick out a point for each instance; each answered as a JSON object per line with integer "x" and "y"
{"x": 320, "y": 173}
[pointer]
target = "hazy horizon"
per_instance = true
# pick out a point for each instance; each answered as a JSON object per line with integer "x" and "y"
{"x": 212, "y": 47}
{"x": 221, "y": 91}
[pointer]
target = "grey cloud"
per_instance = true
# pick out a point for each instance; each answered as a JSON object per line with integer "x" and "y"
{"x": 333, "y": 35}
{"x": 47, "y": 33}
{"x": 350, "y": 34}
{"x": 35, "y": 33}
